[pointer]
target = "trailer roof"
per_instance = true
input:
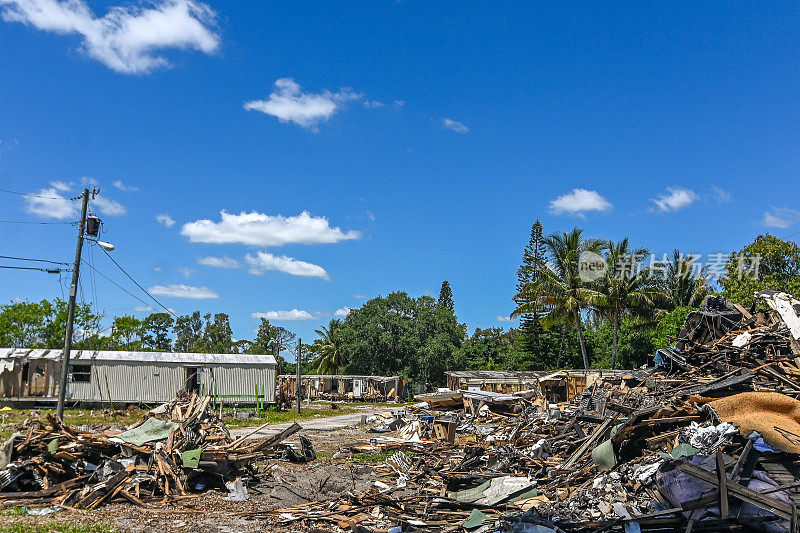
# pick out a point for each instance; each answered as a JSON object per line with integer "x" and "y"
{"x": 88, "y": 356}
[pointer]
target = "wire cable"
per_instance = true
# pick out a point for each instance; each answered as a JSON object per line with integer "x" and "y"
{"x": 120, "y": 287}
{"x": 48, "y": 270}
{"x": 31, "y": 222}
{"x": 37, "y": 260}
{"x": 138, "y": 285}
{"x": 33, "y": 195}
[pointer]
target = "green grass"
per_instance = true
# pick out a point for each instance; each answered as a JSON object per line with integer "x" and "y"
{"x": 13, "y": 511}
{"x": 371, "y": 457}
{"x": 57, "y": 527}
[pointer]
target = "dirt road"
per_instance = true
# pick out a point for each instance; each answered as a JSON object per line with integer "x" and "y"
{"x": 329, "y": 423}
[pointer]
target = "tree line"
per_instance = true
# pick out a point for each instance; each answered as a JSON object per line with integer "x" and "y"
{"x": 581, "y": 302}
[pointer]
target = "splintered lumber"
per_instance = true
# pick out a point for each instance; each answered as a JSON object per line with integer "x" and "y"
{"x": 269, "y": 442}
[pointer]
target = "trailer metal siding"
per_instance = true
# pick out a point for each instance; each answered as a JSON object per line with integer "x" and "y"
{"x": 147, "y": 377}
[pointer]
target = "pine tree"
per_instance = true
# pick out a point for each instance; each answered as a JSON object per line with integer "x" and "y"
{"x": 531, "y": 335}
{"x": 446, "y": 297}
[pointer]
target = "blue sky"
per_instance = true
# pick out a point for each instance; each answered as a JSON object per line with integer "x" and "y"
{"x": 421, "y": 141}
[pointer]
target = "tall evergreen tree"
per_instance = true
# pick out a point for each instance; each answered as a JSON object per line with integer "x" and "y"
{"x": 531, "y": 332}
{"x": 446, "y": 297}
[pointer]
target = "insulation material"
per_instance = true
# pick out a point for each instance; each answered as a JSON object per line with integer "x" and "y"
{"x": 775, "y": 416}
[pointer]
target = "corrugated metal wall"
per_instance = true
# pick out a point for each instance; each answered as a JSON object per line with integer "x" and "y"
{"x": 150, "y": 383}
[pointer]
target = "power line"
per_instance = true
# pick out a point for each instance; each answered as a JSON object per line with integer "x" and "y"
{"x": 37, "y": 260}
{"x": 48, "y": 270}
{"x": 120, "y": 287}
{"x": 137, "y": 284}
{"x": 31, "y": 222}
{"x": 41, "y": 195}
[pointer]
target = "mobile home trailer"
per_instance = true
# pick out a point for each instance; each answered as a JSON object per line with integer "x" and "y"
{"x": 136, "y": 377}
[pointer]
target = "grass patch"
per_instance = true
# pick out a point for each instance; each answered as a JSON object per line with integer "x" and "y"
{"x": 371, "y": 457}
{"x": 58, "y": 527}
{"x": 13, "y": 511}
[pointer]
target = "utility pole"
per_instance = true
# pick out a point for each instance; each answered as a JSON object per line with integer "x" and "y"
{"x": 297, "y": 360}
{"x": 73, "y": 293}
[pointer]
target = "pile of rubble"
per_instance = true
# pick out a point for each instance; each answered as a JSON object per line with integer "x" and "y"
{"x": 181, "y": 449}
{"x": 706, "y": 440}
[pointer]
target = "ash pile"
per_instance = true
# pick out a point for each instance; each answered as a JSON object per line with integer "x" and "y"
{"x": 708, "y": 439}
{"x": 179, "y": 451}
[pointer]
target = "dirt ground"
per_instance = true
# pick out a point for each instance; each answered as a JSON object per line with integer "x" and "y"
{"x": 281, "y": 484}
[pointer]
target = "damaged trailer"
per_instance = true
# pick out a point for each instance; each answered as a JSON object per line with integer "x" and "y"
{"x": 337, "y": 388}
{"x": 102, "y": 377}
{"x": 556, "y": 386}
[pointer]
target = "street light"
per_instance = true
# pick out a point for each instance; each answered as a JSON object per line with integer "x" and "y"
{"x": 107, "y": 246}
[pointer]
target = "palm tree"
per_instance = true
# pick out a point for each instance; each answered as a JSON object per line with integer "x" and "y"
{"x": 331, "y": 359}
{"x": 682, "y": 282}
{"x": 562, "y": 290}
{"x": 625, "y": 289}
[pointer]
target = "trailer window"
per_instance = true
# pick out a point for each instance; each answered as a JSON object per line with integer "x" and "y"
{"x": 80, "y": 373}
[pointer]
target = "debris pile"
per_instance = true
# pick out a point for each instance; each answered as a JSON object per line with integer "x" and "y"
{"x": 707, "y": 440}
{"x": 182, "y": 449}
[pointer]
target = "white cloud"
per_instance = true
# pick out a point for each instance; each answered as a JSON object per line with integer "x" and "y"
{"x": 454, "y": 125}
{"x": 263, "y": 261}
{"x": 158, "y": 269}
{"x": 110, "y": 207}
{"x": 342, "y": 311}
{"x": 124, "y": 188}
{"x": 399, "y": 103}
{"x": 186, "y": 271}
{"x": 165, "y": 219}
{"x": 373, "y": 104}
{"x": 143, "y": 308}
{"x": 126, "y": 38}
{"x": 183, "y": 291}
{"x": 286, "y": 316}
{"x": 62, "y": 186}
{"x": 219, "y": 262}
{"x": 780, "y": 217}
{"x": 578, "y": 202}
{"x": 257, "y": 229}
{"x": 360, "y": 296}
{"x": 288, "y": 103}
{"x": 720, "y": 195}
{"x": 504, "y": 318}
{"x": 49, "y": 203}
{"x": 674, "y": 199}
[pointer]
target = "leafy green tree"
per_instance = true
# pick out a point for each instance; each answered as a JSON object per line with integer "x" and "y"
{"x": 126, "y": 333}
{"x": 85, "y": 324}
{"x": 414, "y": 337}
{"x": 682, "y": 281}
{"x": 446, "y": 297}
{"x": 329, "y": 348}
{"x": 625, "y": 290}
{"x": 634, "y": 342}
{"x": 488, "y": 349}
{"x": 669, "y": 326}
{"x": 156, "y": 332}
{"x": 188, "y": 331}
{"x": 766, "y": 263}
{"x": 561, "y": 289}
{"x": 21, "y": 323}
{"x": 217, "y": 336}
